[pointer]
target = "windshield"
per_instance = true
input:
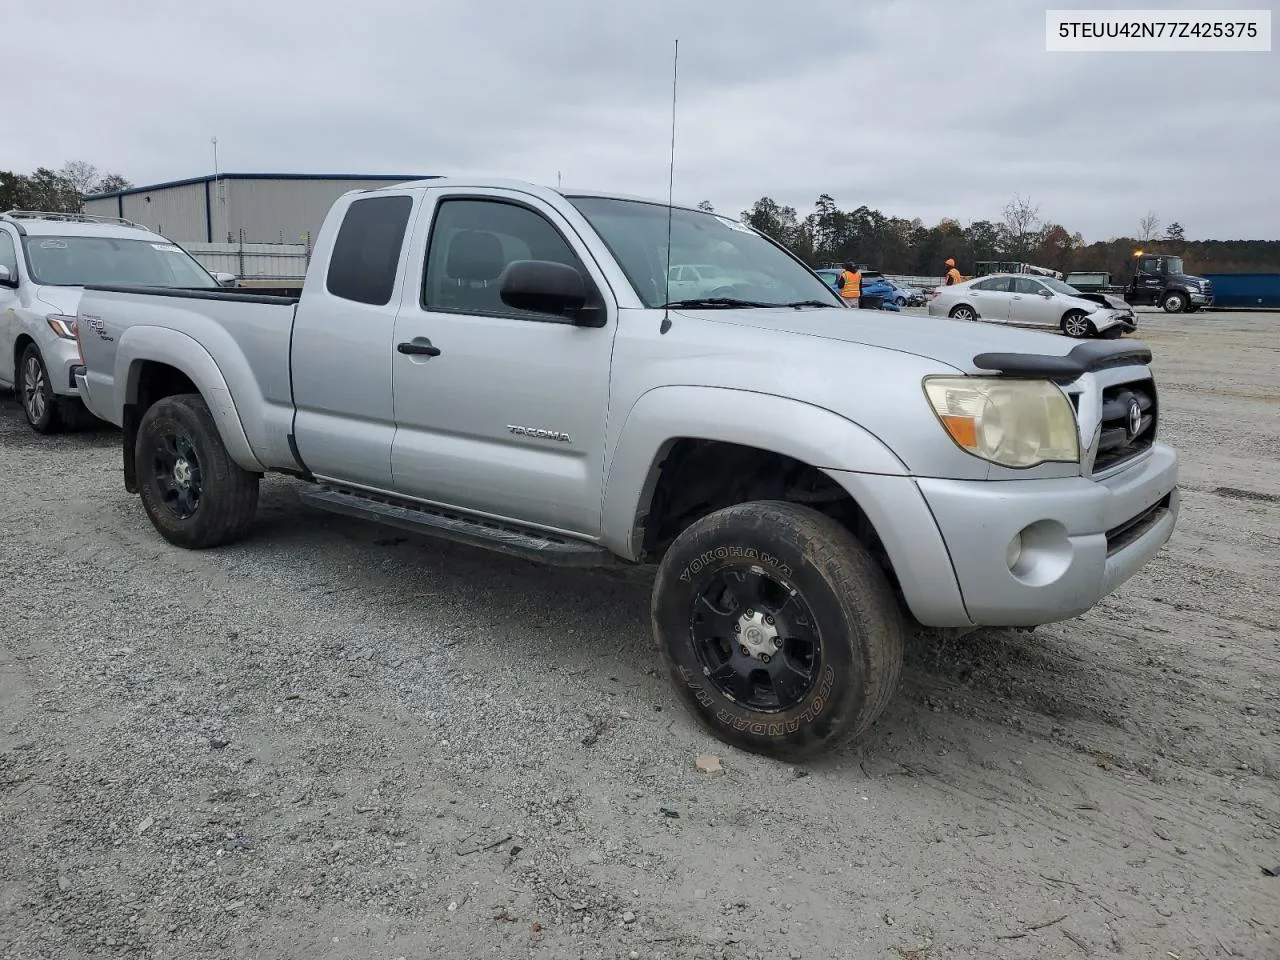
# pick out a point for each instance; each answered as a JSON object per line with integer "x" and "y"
{"x": 1057, "y": 286}
{"x": 81, "y": 261}
{"x": 711, "y": 256}
{"x": 1173, "y": 265}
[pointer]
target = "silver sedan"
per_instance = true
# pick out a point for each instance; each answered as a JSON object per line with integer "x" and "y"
{"x": 1023, "y": 300}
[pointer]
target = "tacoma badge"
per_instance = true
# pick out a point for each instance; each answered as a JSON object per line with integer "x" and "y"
{"x": 538, "y": 433}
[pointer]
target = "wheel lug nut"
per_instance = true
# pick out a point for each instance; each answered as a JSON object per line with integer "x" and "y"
{"x": 745, "y": 651}
{"x": 764, "y": 658}
{"x": 750, "y": 613}
{"x": 777, "y": 643}
{"x": 768, "y": 619}
{"x": 737, "y": 628}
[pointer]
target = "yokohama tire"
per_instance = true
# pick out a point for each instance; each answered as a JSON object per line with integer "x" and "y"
{"x": 228, "y": 494}
{"x": 843, "y": 593}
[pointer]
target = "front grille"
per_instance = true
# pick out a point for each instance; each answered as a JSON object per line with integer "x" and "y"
{"x": 1119, "y": 440}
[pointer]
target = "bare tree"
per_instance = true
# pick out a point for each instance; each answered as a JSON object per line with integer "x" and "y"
{"x": 80, "y": 175}
{"x": 706, "y": 205}
{"x": 1021, "y": 220}
{"x": 1149, "y": 227}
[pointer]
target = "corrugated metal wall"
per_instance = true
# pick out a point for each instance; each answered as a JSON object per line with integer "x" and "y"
{"x": 282, "y": 211}
{"x": 268, "y": 211}
{"x": 176, "y": 212}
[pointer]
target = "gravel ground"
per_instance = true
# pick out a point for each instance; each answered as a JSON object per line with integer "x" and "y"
{"x": 335, "y": 741}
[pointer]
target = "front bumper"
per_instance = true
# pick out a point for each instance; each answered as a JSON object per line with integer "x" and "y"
{"x": 1201, "y": 299}
{"x": 86, "y": 394}
{"x": 62, "y": 360}
{"x": 1080, "y": 538}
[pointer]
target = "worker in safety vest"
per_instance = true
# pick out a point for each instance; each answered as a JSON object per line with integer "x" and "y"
{"x": 953, "y": 275}
{"x": 849, "y": 283}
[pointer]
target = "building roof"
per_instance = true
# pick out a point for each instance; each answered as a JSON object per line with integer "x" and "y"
{"x": 208, "y": 178}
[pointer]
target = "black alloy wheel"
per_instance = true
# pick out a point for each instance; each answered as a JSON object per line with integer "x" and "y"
{"x": 756, "y": 637}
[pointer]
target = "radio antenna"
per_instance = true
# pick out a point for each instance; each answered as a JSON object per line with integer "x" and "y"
{"x": 671, "y": 183}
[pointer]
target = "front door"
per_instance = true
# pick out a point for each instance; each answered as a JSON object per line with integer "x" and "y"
{"x": 1148, "y": 281}
{"x": 506, "y": 414}
{"x": 1033, "y": 303}
{"x": 8, "y": 307}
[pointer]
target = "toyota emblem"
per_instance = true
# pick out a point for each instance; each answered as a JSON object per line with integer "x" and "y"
{"x": 1135, "y": 418}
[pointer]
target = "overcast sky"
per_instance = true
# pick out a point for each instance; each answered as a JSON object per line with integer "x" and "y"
{"x": 921, "y": 108}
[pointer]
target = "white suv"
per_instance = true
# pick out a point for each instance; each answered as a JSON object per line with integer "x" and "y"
{"x": 46, "y": 260}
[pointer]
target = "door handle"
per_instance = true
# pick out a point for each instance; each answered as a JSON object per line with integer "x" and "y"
{"x": 419, "y": 348}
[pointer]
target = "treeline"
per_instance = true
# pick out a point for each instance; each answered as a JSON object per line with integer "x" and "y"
{"x": 895, "y": 245}
{"x": 57, "y": 191}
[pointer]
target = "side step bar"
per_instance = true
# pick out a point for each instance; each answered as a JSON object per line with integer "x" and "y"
{"x": 534, "y": 545}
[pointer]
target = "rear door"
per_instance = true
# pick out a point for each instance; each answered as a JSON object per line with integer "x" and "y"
{"x": 991, "y": 298}
{"x": 342, "y": 350}
{"x": 507, "y": 418}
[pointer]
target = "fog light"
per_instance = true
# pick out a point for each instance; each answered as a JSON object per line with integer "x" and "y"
{"x": 1013, "y": 552}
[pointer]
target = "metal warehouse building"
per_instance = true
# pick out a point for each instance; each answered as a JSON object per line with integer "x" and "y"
{"x": 241, "y": 208}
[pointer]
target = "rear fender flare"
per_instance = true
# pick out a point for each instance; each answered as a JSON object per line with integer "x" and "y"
{"x": 664, "y": 415}
{"x": 139, "y": 344}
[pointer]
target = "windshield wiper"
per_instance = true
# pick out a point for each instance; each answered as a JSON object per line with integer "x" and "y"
{"x": 808, "y": 303}
{"x": 727, "y": 302}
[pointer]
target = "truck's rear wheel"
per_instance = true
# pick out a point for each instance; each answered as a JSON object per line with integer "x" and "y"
{"x": 192, "y": 490}
{"x": 1174, "y": 302}
{"x": 780, "y": 631}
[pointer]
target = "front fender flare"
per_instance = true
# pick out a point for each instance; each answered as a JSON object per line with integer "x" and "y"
{"x": 660, "y": 417}
{"x": 139, "y": 344}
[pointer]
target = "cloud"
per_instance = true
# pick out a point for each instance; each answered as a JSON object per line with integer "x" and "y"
{"x": 913, "y": 106}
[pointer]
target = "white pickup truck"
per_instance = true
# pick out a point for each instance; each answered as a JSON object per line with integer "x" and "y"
{"x": 503, "y": 364}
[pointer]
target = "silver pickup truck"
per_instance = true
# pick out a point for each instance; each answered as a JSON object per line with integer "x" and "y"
{"x": 506, "y": 365}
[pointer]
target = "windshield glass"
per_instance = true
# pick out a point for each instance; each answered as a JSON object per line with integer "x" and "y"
{"x": 1173, "y": 265}
{"x": 80, "y": 261}
{"x": 1059, "y": 287}
{"x": 711, "y": 256}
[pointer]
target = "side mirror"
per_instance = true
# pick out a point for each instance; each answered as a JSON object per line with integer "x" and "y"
{"x": 7, "y": 279}
{"x": 225, "y": 279}
{"x": 1046, "y": 293}
{"x": 544, "y": 286}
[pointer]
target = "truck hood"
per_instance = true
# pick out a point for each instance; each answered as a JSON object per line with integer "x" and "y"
{"x": 951, "y": 342}
{"x": 64, "y": 300}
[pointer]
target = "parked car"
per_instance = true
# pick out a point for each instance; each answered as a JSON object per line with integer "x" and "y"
{"x": 45, "y": 261}
{"x": 696, "y": 280}
{"x": 1020, "y": 298}
{"x": 906, "y": 296}
{"x": 496, "y": 363}
{"x": 872, "y": 286}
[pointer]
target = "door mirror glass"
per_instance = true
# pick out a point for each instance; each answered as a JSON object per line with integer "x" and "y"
{"x": 1046, "y": 293}
{"x": 7, "y": 278}
{"x": 544, "y": 286}
{"x": 225, "y": 279}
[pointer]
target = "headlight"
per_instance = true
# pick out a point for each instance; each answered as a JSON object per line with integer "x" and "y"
{"x": 1015, "y": 423}
{"x": 62, "y": 325}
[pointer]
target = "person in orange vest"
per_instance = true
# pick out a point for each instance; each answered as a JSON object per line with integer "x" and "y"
{"x": 953, "y": 275}
{"x": 849, "y": 283}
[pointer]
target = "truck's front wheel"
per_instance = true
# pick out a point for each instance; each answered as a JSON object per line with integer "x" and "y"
{"x": 192, "y": 490}
{"x": 780, "y": 631}
{"x": 1175, "y": 302}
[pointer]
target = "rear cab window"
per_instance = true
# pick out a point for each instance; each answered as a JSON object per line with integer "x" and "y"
{"x": 366, "y": 252}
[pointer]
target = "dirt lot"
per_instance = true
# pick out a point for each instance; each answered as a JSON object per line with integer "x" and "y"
{"x": 335, "y": 741}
